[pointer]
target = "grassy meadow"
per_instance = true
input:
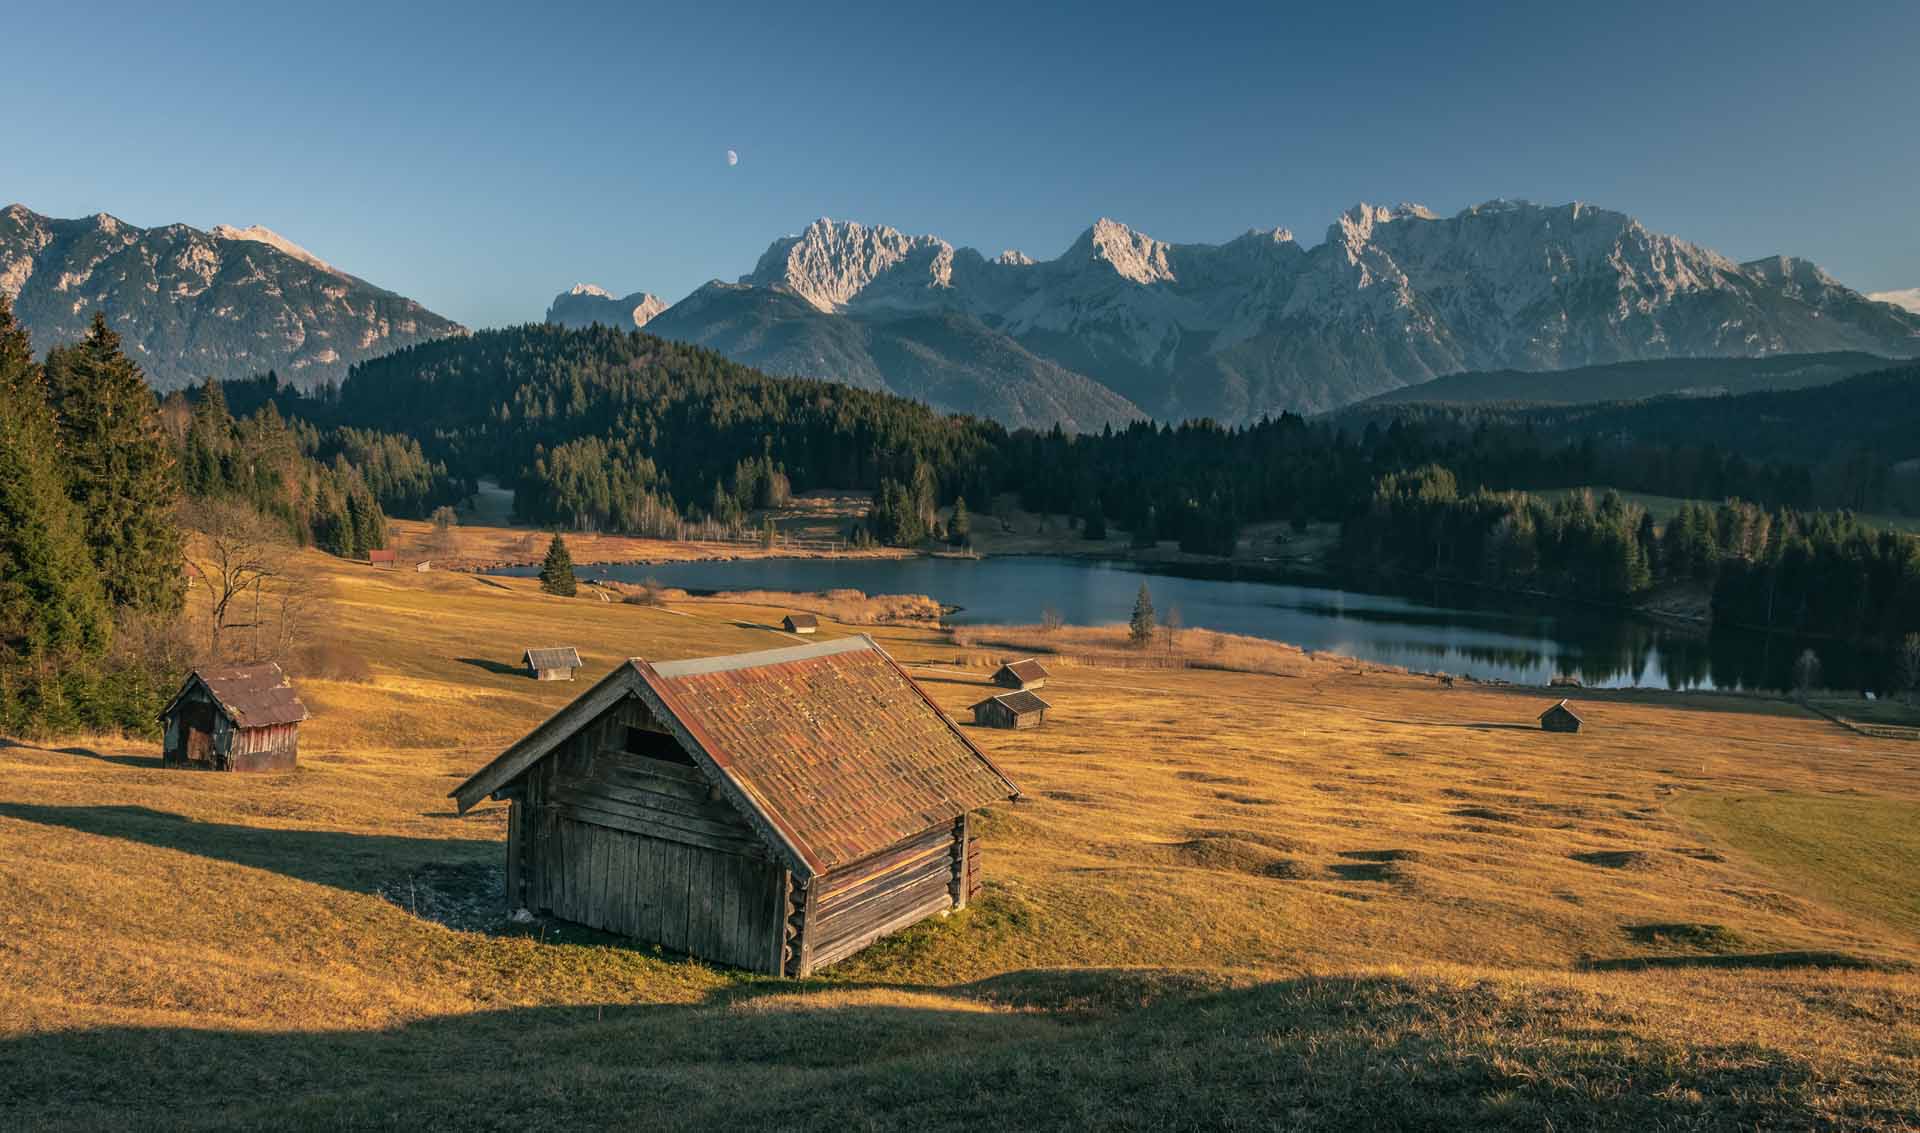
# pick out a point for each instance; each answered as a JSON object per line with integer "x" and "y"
{"x": 1321, "y": 896}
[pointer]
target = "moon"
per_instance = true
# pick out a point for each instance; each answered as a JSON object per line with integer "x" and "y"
{"x": 733, "y": 158}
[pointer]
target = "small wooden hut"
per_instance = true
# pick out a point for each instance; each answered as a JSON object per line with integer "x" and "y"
{"x": 234, "y": 718}
{"x": 775, "y": 811}
{"x": 382, "y": 558}
{"x": 800, "y": 623}
{"x": 553, "y": 664}
{"x": 1560, "y": 718}
{"x": 1011, "y": 710}
{"x": 1027, "y": 675}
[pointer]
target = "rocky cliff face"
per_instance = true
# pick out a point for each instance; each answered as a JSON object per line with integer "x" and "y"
{"x": 230, "y": 303}
{"x": 1391, "y": 297}
{"x": 588, "y": 305}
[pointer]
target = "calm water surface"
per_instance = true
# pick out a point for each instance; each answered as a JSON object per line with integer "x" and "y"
{"x": 1454, "y": 630}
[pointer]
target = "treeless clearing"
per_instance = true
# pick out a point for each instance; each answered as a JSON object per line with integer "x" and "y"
{"x": 1329, "y": 898}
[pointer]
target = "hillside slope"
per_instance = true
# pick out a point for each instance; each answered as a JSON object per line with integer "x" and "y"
{"x": 1634, "y": 381}
{"x": 1334, "y": 899}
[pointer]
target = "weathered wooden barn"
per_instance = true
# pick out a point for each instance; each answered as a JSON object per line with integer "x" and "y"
{"x": 384, "y": 558}
{"x": 800, "y": 623}
{"x": 555, "y": 664}
{"x": 1011, "y": 710}
{"x": 1560, "y": 718}
{"x": 1027, "y": 674}
{"x": 234, "y": 718}
{"x": 776, "y": 811}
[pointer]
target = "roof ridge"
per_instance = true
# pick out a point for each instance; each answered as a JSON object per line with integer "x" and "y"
{"x": 697, "y": 666}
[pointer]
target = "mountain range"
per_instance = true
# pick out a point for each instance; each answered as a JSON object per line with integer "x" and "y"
{"x": 229, "y": 302}
{"x": 1123, "y": 325}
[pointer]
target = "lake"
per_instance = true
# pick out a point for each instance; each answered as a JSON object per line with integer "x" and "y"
{"x": 1436, "y": 629}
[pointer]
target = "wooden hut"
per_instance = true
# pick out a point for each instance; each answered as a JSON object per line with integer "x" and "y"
{"x": 553, "y": 664}
{"x": 800, "y": 623}
{"x": 234, "y": 718}
{"x": 775, "y": 811}
{"x": 1560, "y": 718}
{"x": 1011, "y": 710}
{"x": 382, "y": 558}
{"x": 1027, "y": 674}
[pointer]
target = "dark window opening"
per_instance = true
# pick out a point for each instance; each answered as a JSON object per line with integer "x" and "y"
{"x": 657, "y": 745}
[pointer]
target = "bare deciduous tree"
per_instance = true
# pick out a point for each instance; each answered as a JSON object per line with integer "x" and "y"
{"x": 1806, "y": 673}
{"x": 243, "y": 569}
{"x": 1171, "y": 624}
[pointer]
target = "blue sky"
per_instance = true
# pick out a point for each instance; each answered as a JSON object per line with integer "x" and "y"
{"x": 481, "y": 157}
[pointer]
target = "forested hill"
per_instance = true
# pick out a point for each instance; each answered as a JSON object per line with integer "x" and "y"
{"x": 604, "y": 428}
{"x": 1877, "y": 414}
{"x": 1631, "y": 381}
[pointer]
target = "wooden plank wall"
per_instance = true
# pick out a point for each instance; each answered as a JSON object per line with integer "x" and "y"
{"x": 643, "y": 847}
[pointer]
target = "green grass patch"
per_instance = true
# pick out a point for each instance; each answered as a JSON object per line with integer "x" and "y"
{"x": 1858, "y": 854}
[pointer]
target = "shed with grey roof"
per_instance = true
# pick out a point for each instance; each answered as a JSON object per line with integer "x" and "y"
{"x": 556, "y": 663}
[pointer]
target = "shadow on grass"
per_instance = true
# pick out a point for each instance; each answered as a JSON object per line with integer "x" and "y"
{"x": 1065, "y": 1050}
{"x": 498, "y": 668}
{"x": 359, "y": 863}
{"x": 146, "y": 761}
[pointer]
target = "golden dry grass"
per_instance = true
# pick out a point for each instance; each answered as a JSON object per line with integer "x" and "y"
{"x": 1331, "y": 898}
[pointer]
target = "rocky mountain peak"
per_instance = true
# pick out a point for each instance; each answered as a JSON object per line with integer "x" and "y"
{"x": 832, "y": 262}
{"x": 1013, "y": 257}
{"x": 259, "y": 234}
{"x": 589, "y": 304}
{"x": 1132, "y": 255}
{"x": 1907, "y": 299}
{"x": 1356, "y": 225}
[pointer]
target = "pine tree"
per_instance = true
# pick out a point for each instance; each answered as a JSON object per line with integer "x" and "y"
{"x": 1140, "y": 626}
{"x": 1095, "y": 527}
{"x": 51, "y": 601}
{"x": 121, "y": 470}
{"x": 960, "y": 527}
{"x": 556, "y": 573}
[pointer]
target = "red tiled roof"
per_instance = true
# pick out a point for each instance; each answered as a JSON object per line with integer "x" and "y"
{"x": 253, "y": 696}
{"x": 833, "y": 744}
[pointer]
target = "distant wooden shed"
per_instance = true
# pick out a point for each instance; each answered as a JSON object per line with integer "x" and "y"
{"x": 800, "y": 623}
{"x": 553, "y": 664}
{"x": 1027, "y": 674}
{"x": 776, "y": 811}
{"x": 381, "y": 558}
{"x": 1560, "y": 718}
{"x": 234, "y": 718}
{"x": 1011, "y": 710}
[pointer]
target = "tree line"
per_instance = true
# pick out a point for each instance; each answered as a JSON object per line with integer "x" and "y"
{"x": 1819, "y": 573}
{"x": 91, "y": 560}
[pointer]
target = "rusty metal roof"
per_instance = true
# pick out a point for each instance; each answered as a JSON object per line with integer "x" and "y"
{"x": 1019, "y": 703}
{"x": 557, "y": 657}
{"x": 833, "y": 744}
{"x": 1024, "y": 671}
{"x": 252, "y": 696}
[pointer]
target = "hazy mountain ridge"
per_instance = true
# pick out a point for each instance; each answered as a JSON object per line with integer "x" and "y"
{"x": 1259, "y": 324}
{"x": 230, "y": 303}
